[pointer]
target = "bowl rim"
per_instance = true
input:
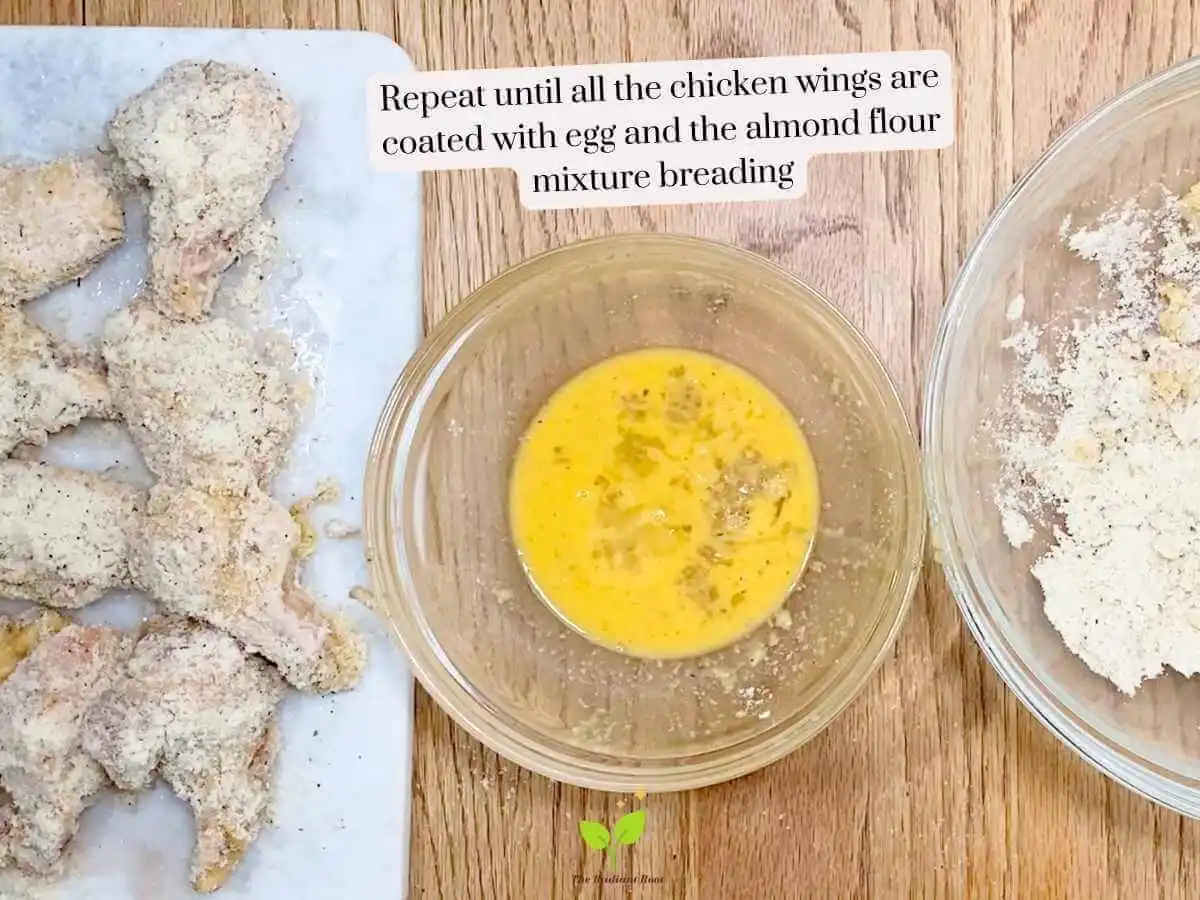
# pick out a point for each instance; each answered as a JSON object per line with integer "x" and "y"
{"x": 425, "y": 657}
{"x": 1066, "y": 720}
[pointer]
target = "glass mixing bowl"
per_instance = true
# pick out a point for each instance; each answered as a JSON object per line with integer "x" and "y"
{"x": 496, "y": 657}
{"x": 1145, "y": 137}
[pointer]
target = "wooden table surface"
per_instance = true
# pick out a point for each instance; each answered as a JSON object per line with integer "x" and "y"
{"x": 956, "y": 791}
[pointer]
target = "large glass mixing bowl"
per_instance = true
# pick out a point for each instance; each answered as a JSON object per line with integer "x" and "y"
{"x": 1145, "y": 137}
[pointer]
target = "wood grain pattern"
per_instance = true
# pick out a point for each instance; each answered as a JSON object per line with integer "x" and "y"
{"x": 935, "y": 783}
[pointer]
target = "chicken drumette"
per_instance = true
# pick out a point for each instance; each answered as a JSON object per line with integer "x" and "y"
{"x": 200, "y": 400}
{"x": 209, "y": 139}
{"x": 48, "y": 778}
{"x": 44, "y": 386}
{"x": 225, "y": 555}
{"x": 64, "y": 534}
{"x": 193, "y": 706}
{"x": 57, "y": 220}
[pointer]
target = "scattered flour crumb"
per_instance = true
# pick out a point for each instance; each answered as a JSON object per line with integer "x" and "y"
{"x": 1016, "y": 527}
{"x": 1016, "y": 308}
{"x": 365, "y": 596}
{"x": 1024, "y": 341}
{"x": 327, "y": 492}
{"x": 339, "y": 529}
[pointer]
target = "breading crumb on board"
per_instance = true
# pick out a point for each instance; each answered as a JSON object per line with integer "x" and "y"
{"x": 341, "y": 530}
{"x": 328, "y": 492}
{"x": 1100, "y": 432}
{"x": 365, "y": 596}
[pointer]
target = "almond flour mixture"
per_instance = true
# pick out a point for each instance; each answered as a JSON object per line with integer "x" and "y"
{"x": 1101, "y": 450}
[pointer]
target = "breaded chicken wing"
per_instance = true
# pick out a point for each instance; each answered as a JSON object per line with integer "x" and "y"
{"x": 224, "y": 555}
{"x": 43, "y": 769}
{"x": 18, "y": 636}
{"x": 57, "y": 220}
{"x": 64, "y": 534}
{"x": 195, "y": 707}
{"x": 44, "y": 386}
{"x": 209, "y": 139}
{"x": 200, "y": 400}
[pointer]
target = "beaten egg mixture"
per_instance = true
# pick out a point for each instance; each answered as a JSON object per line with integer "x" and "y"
{"x": 664, "y": 502}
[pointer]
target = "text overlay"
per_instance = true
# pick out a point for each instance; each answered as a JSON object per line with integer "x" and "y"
{"x": 702, "y": 131}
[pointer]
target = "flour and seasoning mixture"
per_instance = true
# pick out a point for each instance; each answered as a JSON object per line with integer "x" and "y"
{"x": 1100, "y": 447}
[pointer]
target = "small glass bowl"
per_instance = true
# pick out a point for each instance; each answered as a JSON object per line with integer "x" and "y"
{"x": 1143, "y": 138}
{"x": 495, "y": 657}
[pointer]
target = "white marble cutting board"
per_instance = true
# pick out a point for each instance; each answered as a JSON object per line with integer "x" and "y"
{"x": 350, "y": 289}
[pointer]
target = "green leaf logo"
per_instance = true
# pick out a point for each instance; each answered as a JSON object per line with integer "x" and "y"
{"x": 594, "y": 835}
{"x": 629, "y": 827}
{"x": 627, "y": 830}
